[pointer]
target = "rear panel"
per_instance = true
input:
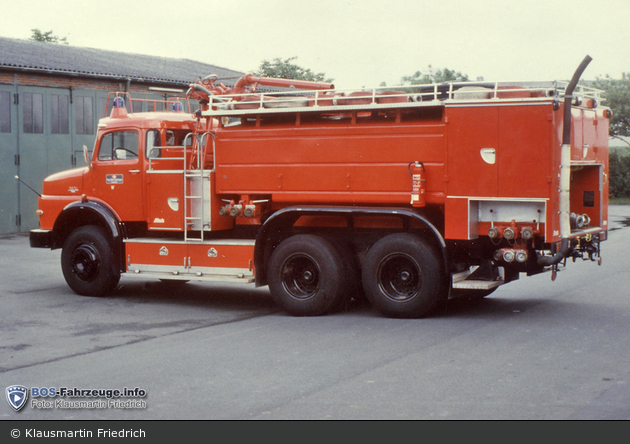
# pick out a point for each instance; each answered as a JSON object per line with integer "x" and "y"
{"x": 499, "y": 166}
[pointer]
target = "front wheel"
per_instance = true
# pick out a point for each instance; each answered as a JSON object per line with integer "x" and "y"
{"x": 403, "y": 277}
{"x": 306, "y": 276}
{"x": 88, "y": 262}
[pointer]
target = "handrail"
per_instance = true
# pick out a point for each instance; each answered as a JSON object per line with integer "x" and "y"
{"x": 169, "y": 147}
{"x": 202, "y": 143}
{"x": 129, "y": 101}
{"x": 401, "y": 96}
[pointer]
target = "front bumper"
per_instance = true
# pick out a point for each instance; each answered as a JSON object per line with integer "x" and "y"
{"x": 40, "y": 238}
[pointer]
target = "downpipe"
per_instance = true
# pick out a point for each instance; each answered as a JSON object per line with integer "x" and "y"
{"x": 565, "y": 171}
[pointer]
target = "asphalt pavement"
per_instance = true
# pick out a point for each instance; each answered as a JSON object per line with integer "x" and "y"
{"x": 535, "y": 349}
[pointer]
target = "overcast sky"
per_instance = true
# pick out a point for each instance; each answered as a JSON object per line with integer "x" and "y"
{"x": 356, "y": 42}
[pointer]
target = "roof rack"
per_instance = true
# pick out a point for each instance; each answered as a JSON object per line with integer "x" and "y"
{"x": 394, "y": 97}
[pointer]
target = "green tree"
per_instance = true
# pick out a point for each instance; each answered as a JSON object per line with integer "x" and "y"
{"x": 617, "y": 94}
{"x": 47, "y": 37}
{"x": 619, "y": 170}
{"x": 286, "y": 69}
{"x": 441, "y": 75}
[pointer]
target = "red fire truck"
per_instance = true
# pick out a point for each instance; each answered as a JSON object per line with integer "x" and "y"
{"x": 407, "y": 195}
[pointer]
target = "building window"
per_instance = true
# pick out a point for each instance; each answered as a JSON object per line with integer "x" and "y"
{"x": 33, "y": 113}
{"x": 59, "y": 117}
{"x": 136, "y": 106}
{"x": 85, "y": 115}
{"x": 155, "y": 106}
{"x": 5, "y": 112}
{"x": 102, "y": 108}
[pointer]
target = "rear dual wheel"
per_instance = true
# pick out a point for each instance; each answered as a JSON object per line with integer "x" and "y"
{"x": 403, "y": 277}
{"x": 307, "y": 276}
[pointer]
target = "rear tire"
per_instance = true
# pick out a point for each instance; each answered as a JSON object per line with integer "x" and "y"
{"x": 88, "y": 262}
{"x": 403, "y": 277}
{"x": 306, "y": 276}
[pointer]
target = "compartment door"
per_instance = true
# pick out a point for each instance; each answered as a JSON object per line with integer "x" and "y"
{"x": 473, "y": 139}
{"x": 166, "y": 204}
{"x": 524, "y": 151}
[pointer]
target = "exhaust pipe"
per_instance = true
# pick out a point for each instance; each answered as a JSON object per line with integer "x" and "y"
{"x": 565, "y": 170}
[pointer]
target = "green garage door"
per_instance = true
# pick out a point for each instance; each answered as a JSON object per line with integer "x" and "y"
{"x": 54, "y": 124}
{"x": 8, "y": 160}
{"x": 34, "y": 118}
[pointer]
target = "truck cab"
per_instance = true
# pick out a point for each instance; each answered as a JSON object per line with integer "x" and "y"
{"x": 127, "y": 148}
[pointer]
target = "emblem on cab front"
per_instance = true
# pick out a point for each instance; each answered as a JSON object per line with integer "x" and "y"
{"x": 163, "y": 251}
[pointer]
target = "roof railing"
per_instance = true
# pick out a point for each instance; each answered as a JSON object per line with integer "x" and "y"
{"x": 387, "y": 97}
{"x": 173, "y": 104}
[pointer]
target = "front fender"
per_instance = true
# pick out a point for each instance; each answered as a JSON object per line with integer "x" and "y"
{"x": 77, "y": 214}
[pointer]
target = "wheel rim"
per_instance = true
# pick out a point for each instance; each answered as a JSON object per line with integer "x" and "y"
{"x": 399, "y": 277}
{"x": 300, "y": 276}
{"x": 86, "y": 262}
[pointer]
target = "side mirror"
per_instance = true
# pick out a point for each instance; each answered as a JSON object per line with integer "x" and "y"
{"x": 86, "y": 156}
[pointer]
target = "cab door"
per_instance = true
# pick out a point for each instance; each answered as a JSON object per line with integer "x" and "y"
{"x": 118, "y": 169}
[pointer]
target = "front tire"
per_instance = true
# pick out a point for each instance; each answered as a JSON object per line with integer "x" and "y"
{"x": 403, "y": 277}
{"x": 306, "y": 276}
{"x": 88, "y": 262}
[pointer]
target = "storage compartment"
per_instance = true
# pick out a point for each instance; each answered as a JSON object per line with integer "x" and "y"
{"x": 586, "y": 193}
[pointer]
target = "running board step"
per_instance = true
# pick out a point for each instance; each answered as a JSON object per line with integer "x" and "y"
{"x": 240, "y": 279}
{"x": 461, "y": 282}
{"x": 477, "y": 284}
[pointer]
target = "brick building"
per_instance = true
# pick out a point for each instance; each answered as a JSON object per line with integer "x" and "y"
{"x": 51, "y": 97}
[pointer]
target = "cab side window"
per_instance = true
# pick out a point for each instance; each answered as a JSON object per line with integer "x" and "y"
{"x": 153, "y": 143}
{"x": 119, "y": 145}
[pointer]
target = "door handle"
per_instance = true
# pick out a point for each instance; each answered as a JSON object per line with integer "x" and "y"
{"x": 134, "y": 171}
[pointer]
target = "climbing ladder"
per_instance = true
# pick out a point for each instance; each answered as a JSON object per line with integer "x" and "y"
{"x": 193, "y": 190}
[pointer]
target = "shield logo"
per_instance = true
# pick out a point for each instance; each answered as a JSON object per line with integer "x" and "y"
{"x": 17, "y": 396}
